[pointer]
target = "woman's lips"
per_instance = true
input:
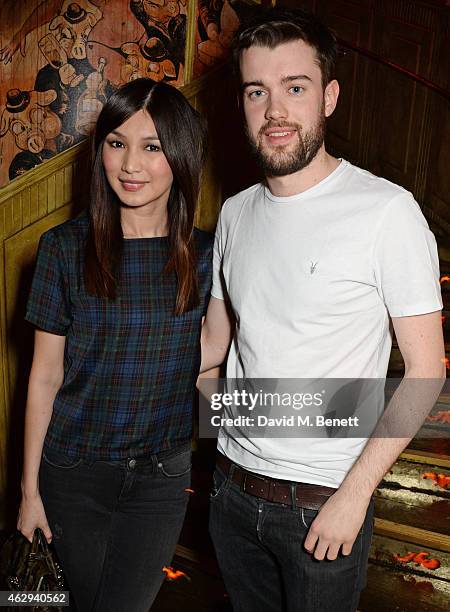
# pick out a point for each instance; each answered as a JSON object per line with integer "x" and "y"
{"x": 132, "y": 185}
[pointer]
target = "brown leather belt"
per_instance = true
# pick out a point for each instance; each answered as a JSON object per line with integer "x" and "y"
{"x": 279, "y": 491}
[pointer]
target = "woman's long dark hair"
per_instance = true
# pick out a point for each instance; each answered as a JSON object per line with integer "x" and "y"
{"x": 182, "y": 134}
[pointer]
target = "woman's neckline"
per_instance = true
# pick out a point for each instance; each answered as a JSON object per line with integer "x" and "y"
{"x": 137, "y": 238}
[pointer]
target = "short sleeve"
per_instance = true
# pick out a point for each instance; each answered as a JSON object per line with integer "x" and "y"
{"x": 218, "y": 289}
{"x": 406, "y": 261}
{"x": 48, "y": 304}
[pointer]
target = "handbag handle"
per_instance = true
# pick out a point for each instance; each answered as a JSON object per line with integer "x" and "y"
{"x": 39, "y": 547}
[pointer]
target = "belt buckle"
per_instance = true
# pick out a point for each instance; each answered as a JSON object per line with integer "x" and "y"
{"x": 256, "y": 477}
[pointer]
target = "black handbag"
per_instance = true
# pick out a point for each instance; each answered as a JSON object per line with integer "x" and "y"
{"x": 26, "y": 566}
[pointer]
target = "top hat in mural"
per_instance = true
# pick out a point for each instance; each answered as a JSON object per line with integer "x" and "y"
{"x": 74, "y": 13}
{"x": 154, "y": 50}
{"x": 17, "y": 100}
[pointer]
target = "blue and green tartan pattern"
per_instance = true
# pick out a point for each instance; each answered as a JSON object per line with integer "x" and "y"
{"x": 130, "y": 365}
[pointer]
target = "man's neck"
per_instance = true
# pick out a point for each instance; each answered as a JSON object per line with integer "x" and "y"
{"x": 291, "y": 184}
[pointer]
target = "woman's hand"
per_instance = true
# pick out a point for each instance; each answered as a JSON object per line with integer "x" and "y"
{"x": 32, "y": 515}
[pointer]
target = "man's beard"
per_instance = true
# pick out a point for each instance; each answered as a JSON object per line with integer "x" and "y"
{"x": 279, "y": 162}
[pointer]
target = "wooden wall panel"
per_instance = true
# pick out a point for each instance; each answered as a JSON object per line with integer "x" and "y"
{"x": 403, "y": 127}
{"x": 437, "y": 195}
{"x": 28, "y": 207}
{"x": 400, "y": 134}
{"x": 350, "y": 21}
{"x": 20, "y": 252}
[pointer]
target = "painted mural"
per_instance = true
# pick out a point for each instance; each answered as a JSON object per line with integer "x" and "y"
{"x": 60, "y": 60}
{"x": 217, "y": 20}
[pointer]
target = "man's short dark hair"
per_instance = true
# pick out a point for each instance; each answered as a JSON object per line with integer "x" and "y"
{"x": 275, "y": 26}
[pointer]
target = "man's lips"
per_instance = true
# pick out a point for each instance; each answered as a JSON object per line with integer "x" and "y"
{"x": 279, "y": 135}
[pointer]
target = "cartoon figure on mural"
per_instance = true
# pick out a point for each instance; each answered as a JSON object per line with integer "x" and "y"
{"x": 217, "y": 22}
{"x": 33, "y": 125}
{"x": 154, "y": 50}
{"x": 75, "y": 53}
{"x": 44, "y": 12}
{"x": 76, "y": 88}
{"x": 165, "y": 29}
{"x": 68, "y": 68}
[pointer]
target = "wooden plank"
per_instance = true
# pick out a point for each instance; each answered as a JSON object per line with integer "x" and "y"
{"x": 190, "y": 41}
{"x": 432, "y": 517}
{"x": 389, "y": 590}
{"x": 437, "y": 446}
{"x": 417, "y": 477}
{"x": 187, "y": 553}
{"x": 426, "y": 457}
{"x": 414, "y": 535}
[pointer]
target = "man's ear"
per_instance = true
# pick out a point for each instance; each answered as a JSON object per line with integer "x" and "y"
{"x": 330, "y": 97}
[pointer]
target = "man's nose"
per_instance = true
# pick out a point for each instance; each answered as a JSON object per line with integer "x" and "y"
{"x": 276, "y": 108}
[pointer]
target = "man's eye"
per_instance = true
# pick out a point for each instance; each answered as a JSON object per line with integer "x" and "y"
{"x": 152, "y": 147}
{"x": 296, "y": 89}
{"x": 258, "y": 93}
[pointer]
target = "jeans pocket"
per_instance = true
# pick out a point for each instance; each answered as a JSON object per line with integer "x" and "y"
{"x": 218, "y": 485}
{"x": 307, "y": 516}
{"x": 176, "y": 465}
{"x": 60, "y": 461}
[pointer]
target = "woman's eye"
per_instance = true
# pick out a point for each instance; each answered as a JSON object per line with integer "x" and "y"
{"x": 296, "y": 89}
{"x": 115, "y": 144}
{"x": 152, "y": 147}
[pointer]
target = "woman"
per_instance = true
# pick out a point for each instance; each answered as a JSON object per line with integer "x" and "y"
{"x": 117, "y": 297}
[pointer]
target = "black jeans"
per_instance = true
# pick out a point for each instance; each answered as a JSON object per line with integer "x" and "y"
{"x": 259, "y": 546}
{"x": 115, "y": 525}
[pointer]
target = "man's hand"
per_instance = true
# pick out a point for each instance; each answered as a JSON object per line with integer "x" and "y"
{"x": 337, "y": 524}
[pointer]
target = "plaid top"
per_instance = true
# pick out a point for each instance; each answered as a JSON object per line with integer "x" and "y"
{"x": 130, "y": 364}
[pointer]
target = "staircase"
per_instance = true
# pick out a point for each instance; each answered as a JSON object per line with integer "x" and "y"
{"x": 412, "y": 517}
{"x": 409, "y": 564}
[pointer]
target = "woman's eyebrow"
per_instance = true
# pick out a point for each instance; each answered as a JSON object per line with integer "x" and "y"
{"x": 149, "y": 137}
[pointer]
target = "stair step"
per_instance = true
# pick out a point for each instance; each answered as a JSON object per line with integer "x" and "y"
{"x": 407, "y": 534}
{"x": 406, "y": 497}
{"x": 391, "y": 590}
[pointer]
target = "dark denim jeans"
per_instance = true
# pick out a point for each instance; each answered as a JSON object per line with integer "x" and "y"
{"x": 259, "y": 546}
{"x": 115, "y": 525}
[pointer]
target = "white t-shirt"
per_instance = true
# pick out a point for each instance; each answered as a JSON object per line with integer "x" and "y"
{"x": 312, "y": 279}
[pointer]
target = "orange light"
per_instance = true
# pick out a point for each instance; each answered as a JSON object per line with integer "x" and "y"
{"x": 441, "y": 480}
{"x": 444, "y": 279}
{"x": 446, "y": 361}
{"x": 443, "y": 416}
{"x": 420, "y": 558}
{"x": 172, "y": 574}
{"x": 406, "y": 559}
{"x": 190, "y": 491}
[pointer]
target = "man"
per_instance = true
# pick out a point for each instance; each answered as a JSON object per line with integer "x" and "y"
{"x": 314, "y": 263}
